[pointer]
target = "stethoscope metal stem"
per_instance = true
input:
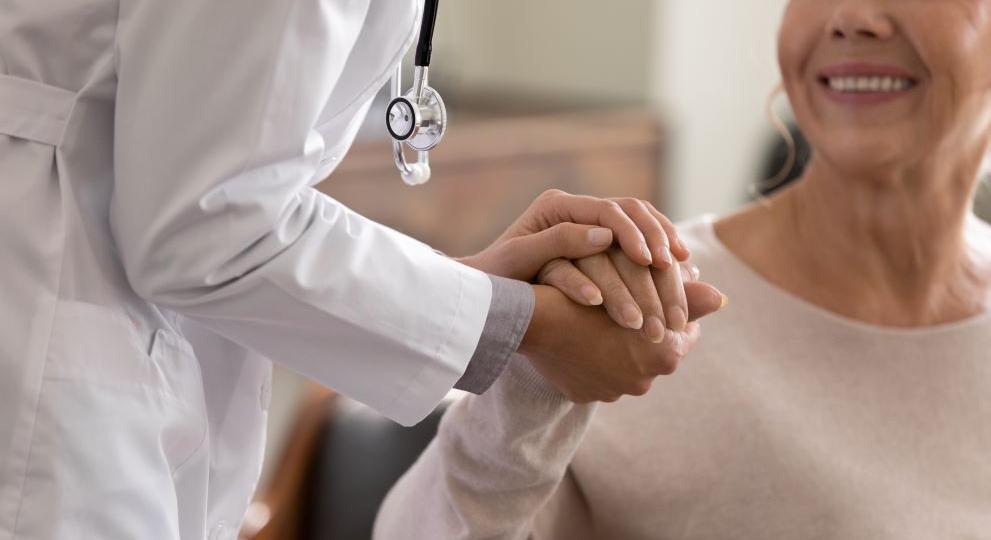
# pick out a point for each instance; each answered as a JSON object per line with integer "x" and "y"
{"x": 417, "y": 119}
{"x": 410, "y": 175}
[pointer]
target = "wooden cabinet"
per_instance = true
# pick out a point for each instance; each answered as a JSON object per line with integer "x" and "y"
{"x": 486, "y": 172}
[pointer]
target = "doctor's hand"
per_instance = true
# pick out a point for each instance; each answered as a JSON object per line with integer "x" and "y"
{"x": 588, "y": 357}
{"x": 637, "y": 297}
{"x": 561, "y": 225}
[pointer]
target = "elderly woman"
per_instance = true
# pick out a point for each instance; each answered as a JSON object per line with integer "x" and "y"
{"x": 844, "y": 393}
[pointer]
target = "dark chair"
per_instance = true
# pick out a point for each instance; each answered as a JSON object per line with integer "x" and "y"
{"x": 340, "y": 461}
{"x": 361, "y": 458}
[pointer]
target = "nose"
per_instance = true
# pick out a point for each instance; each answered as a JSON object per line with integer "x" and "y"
{"x": 859, "y": 20}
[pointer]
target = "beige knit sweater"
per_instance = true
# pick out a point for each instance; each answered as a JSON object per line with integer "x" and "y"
{"x": 785, "y": 422}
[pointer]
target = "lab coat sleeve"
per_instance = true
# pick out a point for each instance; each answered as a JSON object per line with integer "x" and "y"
{"x": 214, "y": 214}
{"x": 509, "y": 317}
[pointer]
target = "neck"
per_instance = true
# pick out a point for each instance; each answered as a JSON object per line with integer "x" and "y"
{"x": 888, "y": 250}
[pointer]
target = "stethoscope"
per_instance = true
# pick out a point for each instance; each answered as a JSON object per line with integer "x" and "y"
{"x": 419, "y": 118}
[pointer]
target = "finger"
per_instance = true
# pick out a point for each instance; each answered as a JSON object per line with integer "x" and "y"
{"x": 616, "y": 297}
{"x": 565, "y": 277}
{"x": 703, "y": 299}
{"x": 639, "y": 281}
{"x": 677, "y": 345}
{"x": 689, "y": 272}
{"x": 654, "y": 233}
{"x": 527, "y": 254}
{"x": 678, "y": 246}
{"x": 671, "y": 289}
{"x": 665, "y": 358}
{"x": 564, "y": 207}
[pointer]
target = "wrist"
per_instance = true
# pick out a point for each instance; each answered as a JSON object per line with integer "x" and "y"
{"x": 534, "y": 340}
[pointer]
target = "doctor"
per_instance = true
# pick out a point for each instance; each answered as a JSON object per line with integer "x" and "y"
{"x": 161, "y": 241}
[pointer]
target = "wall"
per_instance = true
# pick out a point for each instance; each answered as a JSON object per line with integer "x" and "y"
{"x": 714, "y": 67}
{"x": 707, "y": 66}
{"x": 574, "y": 51}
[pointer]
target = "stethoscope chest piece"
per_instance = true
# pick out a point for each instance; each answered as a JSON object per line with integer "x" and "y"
{"x": 418, "y": 121}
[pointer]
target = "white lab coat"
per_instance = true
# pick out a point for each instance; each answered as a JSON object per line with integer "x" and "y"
{"x": 160, "y": 238}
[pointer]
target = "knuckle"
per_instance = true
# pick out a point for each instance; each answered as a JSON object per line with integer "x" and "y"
{"x": 635, "y": 203}
{"x": 550, "y": 272}
{"x": 644, "y": 368}
{"x": 640, "y": 388}
{"x": 667, "y": 367}
{"x": 551, "y": 193}
{"x": 592, "y": 265}
{"x": 558, "y": 233}
{"x": 612, "y": 207}
{"x": 667, "y": 364}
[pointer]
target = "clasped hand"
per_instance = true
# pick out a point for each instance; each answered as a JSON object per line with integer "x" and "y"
{"x": 617, "y": 303}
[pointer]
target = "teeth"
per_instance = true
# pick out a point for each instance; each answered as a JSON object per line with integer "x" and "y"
{"x": 869, "y": 84}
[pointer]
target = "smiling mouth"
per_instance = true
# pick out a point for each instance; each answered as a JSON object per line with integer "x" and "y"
{"x": 869, "y": 84}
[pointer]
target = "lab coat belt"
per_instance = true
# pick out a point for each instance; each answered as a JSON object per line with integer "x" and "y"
{"x": 34, "y": 111}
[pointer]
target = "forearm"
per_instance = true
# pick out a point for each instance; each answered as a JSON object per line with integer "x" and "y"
{"x": 495, "y": 462}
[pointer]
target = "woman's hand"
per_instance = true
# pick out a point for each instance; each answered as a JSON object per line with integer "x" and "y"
{"x": 635, "y": 296}
{"x": 587, "y": 357}
{"x": 560, "y": 225}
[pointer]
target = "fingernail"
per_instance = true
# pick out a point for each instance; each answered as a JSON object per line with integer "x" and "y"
{"x": 664, "y": 253}
{"x": 592, "y": 294}
{"x": 724, "y": 302}
{"x": 599, "y": 237}
{"x": 677, "y": 319}
{"x": 646, "y": 252}
{"x": 654, "y": 329}
{"x": 632, "y": 317}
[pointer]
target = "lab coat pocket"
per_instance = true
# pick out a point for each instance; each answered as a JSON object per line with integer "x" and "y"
{"x": 174, "y": 359}
{"x": 115, "y": 424}
{"x": 96, "y": 352}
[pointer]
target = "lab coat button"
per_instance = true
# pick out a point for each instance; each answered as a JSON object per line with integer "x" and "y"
{"x": 265, "y": 395}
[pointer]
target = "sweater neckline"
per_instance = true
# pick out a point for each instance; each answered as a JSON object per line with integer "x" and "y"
{"x": 740, "y": 267}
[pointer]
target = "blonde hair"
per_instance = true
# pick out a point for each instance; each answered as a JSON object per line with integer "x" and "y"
{"x": 757, "y": 189}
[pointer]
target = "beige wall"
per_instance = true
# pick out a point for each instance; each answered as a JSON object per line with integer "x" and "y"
{"x": 576, "y": 51}
{"x": 714, "y": 69}
{"x": 706, "y": 65}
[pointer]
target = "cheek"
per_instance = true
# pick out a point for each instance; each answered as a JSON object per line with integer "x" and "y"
{"x": 796, "y": 38}
{"x": 956, "y": 46}
{"x": 955, "y": 42}
{"x": 803, "y": 29}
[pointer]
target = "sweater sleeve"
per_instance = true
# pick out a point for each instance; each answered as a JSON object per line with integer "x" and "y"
{"x": 496, "y": 461}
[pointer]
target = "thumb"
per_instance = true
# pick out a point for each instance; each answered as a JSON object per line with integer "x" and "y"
{"x": 562, "y": 241}
{"x": 703, "y": 299}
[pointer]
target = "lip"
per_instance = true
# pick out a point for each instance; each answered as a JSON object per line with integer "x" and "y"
{"x": 860, "y": 69}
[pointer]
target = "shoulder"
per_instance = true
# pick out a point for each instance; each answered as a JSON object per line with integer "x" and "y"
{"x": 698, "y": 234}
{"x": 715, "y": 262}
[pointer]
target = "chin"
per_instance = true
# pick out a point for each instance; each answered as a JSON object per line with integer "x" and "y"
{"x": 875, "y": 155}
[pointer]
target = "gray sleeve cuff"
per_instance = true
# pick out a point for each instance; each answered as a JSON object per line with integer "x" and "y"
{"x": 509, "y": 316}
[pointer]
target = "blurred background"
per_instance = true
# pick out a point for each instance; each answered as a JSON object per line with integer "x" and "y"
{"x": 659, "y": 99}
